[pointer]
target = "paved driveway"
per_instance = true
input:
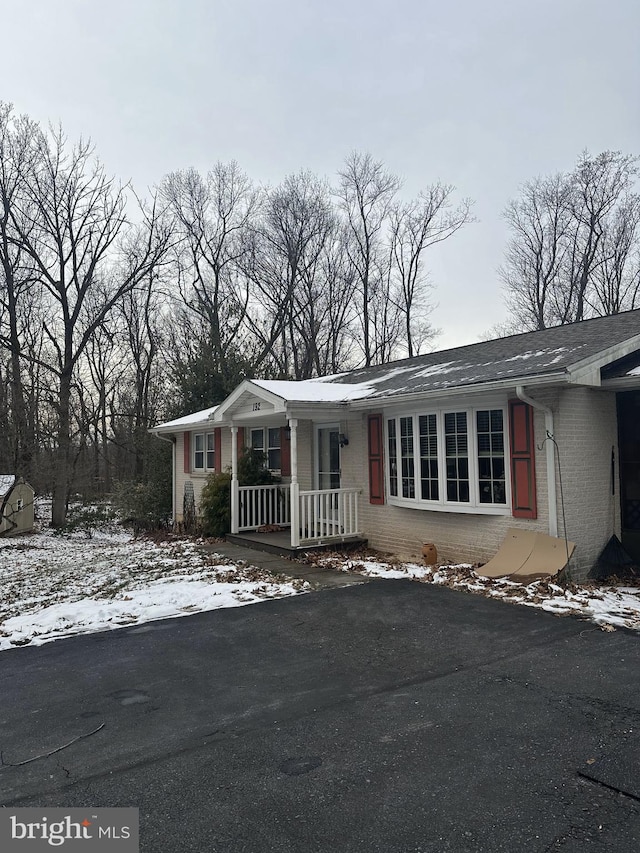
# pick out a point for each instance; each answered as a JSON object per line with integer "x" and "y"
{"x": 392, "y": 716}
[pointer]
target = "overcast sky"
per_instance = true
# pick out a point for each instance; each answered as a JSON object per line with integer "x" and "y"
{"x": 484, "y": 94}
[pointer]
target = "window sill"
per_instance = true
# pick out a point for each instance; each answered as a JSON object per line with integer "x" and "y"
{"x": 455, "y": 509}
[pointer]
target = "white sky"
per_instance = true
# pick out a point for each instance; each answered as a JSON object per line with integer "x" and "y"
{"x": 484, "y": 95}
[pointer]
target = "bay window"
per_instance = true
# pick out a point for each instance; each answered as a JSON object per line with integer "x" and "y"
{"x": 448, "y": 459}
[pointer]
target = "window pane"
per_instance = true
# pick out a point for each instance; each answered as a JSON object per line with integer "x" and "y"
{"x": 393, "y": 458}
{"x": 429, "y": 486}
{"x": 273, "y": 449}
{"x": 274, "y": 438}
{"x": 257, "y": 439}
{"x": 198, "y": 451}
{"x": 497, "y": 443}
{"x": 496, "y": 420}
{"x": 273, "y": 457}
{"x": 484, "y": 468}
{"x": 484, "y": 443}
{"x": 491, "y": 464}
{"x": 211, "y": 456}
{"x": 456, "y": 456}
{"x": 406, "y": 458}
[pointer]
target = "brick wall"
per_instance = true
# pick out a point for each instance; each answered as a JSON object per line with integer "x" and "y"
{"x": 586, "y": 432}
{"x": 585, "y": 427}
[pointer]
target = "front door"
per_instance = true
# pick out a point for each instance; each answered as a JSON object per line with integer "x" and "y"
{"x": 326, "y": 507}
{"x": 328, "y": 456}
{"x": 629, "y": 449}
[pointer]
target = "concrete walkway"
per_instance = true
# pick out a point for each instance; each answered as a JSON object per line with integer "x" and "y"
{"x": 319, "y": 578}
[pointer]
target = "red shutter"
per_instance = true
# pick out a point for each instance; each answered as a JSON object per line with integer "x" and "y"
{"x": 187, "y": 452}
{"x": 217, "y": 448}
{"x": 376, "y": 467}
{"x": 523, "y": 462}
{"x": 240, "y": 441}
{"x": 285, "y": 452}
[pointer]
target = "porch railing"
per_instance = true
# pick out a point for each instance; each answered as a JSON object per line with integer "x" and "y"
{"x": 322, "y": 514}
{"x": 328, "y": 514}
{"x": 262, "y": 505}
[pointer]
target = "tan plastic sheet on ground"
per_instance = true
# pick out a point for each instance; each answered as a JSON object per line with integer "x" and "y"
{"x": 525, "y": 555}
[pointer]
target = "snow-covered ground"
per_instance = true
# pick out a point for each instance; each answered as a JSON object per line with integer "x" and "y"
{"x": 54, "y": 586}
{"x": 607, "y": 606}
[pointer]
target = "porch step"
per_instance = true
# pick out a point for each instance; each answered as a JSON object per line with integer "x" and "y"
{"x": 280, "y": 543}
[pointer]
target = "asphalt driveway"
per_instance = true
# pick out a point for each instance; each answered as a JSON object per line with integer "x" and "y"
{"x": 392, "y": 716}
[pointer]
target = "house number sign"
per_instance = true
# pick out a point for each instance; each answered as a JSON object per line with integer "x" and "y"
{"x": 256, "y": 407}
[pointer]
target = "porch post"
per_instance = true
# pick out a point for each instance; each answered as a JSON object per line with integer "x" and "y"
{"x": 295, "y": 488}
{"x": 235, "y": 494}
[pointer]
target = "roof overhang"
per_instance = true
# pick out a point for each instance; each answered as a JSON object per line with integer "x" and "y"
{"x": 621, "y": 383}
{"x": 251, "y": 403}
{"x": 587, "y": 372}
{"x": 198, "y": 420}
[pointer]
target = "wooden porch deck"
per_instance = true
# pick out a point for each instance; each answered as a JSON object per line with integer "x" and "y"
{"x": 279, "y": 542}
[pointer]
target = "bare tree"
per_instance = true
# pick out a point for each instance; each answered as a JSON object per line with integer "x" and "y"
{"x": 18, "y": 297}
{"x": 71, "y": 226}
{"x": 295, "y": 229}
{"x": 540, "y": 221}
{"x": 415, "y": 227}
{"x": 326, "y": 315}
{"x": 214, "y": 216}
{"x": 616, "y": 278}
{"x": 366, "y": 192}
{"x": 573, "y": 249}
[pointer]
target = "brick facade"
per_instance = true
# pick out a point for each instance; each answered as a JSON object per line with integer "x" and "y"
{"x": 585, "y": 430}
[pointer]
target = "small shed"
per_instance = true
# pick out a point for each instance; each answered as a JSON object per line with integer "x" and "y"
{"x": 16, "y": 505}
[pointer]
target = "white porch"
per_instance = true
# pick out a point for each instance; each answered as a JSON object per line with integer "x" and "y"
{"x": 315, "y": 513}
{"x": 318, "y": 517}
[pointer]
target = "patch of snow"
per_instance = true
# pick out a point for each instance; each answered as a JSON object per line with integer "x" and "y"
{"x": 314, "y": 391}
{"x": 54, "y": 586}
{"x": 444, "y": 367}
{"x": 609, "y": 607}
{"x": 194, "y": 418}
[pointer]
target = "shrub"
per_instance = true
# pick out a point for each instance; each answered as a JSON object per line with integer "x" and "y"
{"x": 215, "y": 505}
{"x": 215, "y": 499}
{"x": 87, "y": 518}
{"x": 252, "y": 470}
{"x": 145, "y": 506}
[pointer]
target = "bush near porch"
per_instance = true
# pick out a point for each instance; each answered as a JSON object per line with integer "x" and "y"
{"x": 215, "y": 500}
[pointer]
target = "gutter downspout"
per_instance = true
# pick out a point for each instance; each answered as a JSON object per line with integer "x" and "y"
{"x": 550, "y": 449}
{"x": 172, "y": 442}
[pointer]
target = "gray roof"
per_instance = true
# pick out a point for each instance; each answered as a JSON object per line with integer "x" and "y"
{"x": 521, "y": 358}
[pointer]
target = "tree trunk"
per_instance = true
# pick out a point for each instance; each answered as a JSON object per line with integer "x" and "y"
{"x": 63, "y": 454}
